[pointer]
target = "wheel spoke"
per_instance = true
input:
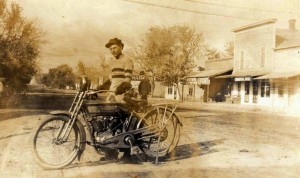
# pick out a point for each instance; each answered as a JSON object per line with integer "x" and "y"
{"x": 169, "y": 137}
{"x": 52, "y": 152}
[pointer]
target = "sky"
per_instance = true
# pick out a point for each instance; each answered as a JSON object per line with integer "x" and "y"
{"x": 79, "y": 29}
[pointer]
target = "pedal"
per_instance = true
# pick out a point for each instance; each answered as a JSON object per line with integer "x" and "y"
{"x": 134, "y": 150}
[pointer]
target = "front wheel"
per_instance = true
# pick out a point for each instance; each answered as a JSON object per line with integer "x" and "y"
{"x": 51, "y": 152}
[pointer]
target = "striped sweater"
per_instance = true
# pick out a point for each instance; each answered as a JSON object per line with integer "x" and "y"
{"x": 121, "y": 71}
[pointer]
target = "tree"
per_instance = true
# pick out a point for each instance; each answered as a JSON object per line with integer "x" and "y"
{"x": 92, "y": 72}
{"x": 59, "y": 77}
{"x": 213, "y": 53}
{"x": 169, "y": 52}
{"x": 80, "y": 69}
{"x": 229, "y": 48}
{"x": 20, "y": 42}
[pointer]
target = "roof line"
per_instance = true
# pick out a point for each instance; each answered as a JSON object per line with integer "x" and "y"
{"x": 217, "y": 72}
{"x": 264, "y": 22}
{"x": 289, "y": 47}
{"x": 222, "y": 59}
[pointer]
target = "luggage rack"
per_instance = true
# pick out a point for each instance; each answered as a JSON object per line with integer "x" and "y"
{"x": 163, "y": 122}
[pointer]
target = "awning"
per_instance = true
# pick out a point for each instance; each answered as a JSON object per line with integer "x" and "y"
{"x": 247, "y": 73}
{"x": 210, "y": 73}
{"x": 279, "y": 74}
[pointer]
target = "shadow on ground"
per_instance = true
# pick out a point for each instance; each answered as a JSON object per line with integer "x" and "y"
{"x": 193, "y": 150}
{"x": 14, "y": 135}
{"x": 181, "y": 152}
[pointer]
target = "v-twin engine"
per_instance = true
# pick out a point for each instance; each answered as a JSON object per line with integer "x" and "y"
{"x": 105, "y": 127}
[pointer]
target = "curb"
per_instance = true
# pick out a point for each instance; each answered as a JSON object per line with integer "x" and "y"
{"x": 240, "y": 108}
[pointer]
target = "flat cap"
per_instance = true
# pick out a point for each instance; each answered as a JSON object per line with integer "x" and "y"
{"x": 114, "y": 41}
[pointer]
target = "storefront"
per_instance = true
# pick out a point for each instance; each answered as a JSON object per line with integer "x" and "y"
{"x": 252, "y": 91}
{"x": 284, "y": 89}
{"x": 214, "y": 89}
{"x": 247, "y": 90}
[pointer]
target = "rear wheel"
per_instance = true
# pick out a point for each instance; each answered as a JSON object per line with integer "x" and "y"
{"x": 167, "y": 138}
{"x": 51, "y": 152}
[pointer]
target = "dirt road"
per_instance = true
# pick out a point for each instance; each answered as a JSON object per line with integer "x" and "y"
{"x": 213, "y": 144}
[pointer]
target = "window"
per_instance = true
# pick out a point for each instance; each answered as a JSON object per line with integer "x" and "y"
{"x": 170, "y": 90}
{"x": 239, "y": 88}
{"x": 262, "y": 56}
{"x": 190, "y": 91}
{"x": 255, "y": 87}
{"x": 242, "y": 60}
{"x": 265, "y": 88}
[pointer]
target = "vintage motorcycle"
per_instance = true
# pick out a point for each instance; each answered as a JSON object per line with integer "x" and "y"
{"x": 104, "y": 125}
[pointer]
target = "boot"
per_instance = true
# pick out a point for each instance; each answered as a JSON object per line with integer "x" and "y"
{"x": 110, "y": 156}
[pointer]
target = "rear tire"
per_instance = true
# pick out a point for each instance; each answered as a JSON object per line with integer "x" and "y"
{"x": 169, "y": 136}
{"x": 48, "y": 152}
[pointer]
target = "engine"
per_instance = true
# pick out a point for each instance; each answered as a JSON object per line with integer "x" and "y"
{"x": 107, "y": 119}
{"x": 106, "y": 127}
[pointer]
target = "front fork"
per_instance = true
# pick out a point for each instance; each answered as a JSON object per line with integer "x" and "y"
{"x": 74, "y": 110}
{"x": 64, "y": 131}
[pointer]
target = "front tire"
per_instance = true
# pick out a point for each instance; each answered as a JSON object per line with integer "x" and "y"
{"x": 48, "y": 152}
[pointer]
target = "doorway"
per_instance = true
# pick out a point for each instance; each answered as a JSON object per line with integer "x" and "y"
{"x": 247, "y": 91}
{"x": 255, "y": 90}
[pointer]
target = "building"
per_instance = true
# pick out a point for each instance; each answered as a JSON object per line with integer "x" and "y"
{"x": 266, "y": 65}
{"x": 171, "y": 92}
{"x": 215, "y": 89}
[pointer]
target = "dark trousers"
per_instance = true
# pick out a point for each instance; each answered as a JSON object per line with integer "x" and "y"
{"x": 145, "y": 97}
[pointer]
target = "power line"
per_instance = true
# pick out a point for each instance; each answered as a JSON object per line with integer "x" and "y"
{"x": 235, "y": 7}
{"x": 186, "y": 10}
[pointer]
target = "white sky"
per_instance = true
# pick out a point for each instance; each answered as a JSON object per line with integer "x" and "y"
{"x": 79, "y": 29}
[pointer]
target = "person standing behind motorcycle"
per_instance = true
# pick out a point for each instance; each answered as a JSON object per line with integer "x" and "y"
{"x": 144, "y": 87}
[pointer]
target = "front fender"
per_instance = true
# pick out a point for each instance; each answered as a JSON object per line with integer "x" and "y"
{"x": 80, "y": 127}
{"x": 60, "y": 112}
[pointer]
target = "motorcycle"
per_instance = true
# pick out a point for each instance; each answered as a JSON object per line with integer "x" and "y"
{"x": 105, "y": 125}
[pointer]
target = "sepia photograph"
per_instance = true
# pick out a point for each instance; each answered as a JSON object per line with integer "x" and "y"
{"x": 149, "y": 88}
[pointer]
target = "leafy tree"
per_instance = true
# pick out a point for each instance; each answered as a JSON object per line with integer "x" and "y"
{"x": 213, "y": 53}
{"x": 169, "y": 52}
{"x": 92, "y": 72}
{"x": 20, "y": 42}
{"x": 80, "y": 69}
{"x": 59, "y": 77}
{"x": 229, "y": 48}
